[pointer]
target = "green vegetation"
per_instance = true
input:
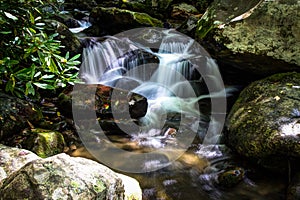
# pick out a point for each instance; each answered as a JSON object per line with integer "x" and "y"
{"x": 30, "y": 57}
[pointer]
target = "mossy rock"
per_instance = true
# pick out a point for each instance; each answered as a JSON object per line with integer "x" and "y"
{"x": 263, "y": 41}
{"x": 183, "y": 11}
{"x": 264, "y": 122}
{"x": 45, "y": 143}
{"x": 115, "y": 20}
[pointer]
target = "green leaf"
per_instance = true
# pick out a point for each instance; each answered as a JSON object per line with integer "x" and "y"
{"x": 74, "y": 57}
{"x": 67, "y": 55}
{"x": 37, "y": 74}
{"x": 10, "y": 16}
{"x": 40, "y": 24}
{"x": 47, "y": 76}
{"x": 24, "y": 74}
{"x": 5, "y": 32}
{"x": 44, "y": 86}
{"x": 10, "y": 85}
{"x": 29, "y": 89}
{"x": 73, "y": 62}
{"x": 52, "y": 66}
{"x": 31, "y": 18}
{"x": 48, "y": 63}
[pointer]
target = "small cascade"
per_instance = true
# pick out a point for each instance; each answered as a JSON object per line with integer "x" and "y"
{"x": 169, "y": 77}
{"x": 83, "y": 24}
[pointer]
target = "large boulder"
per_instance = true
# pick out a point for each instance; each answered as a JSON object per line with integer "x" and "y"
{"x": 15, "y": 115}
{"x": 12, "y": 159}
{"x": 115, "y": 20}
{"x": 64, "y": 177}
{"x": 264, "y": 123}
{"x": 267, "y": 32}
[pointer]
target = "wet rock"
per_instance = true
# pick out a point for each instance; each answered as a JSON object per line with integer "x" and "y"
{"x": 15, "y": 114}
{"x": 45, "y": 143}
{"x": 183, "y": 11}
{"x": 230, "y": 177}
{"x": 264, "y": 122}
{"x": 267, "y": 33}
{"x": 65, "y": 177}
{"x": 12, "y": 159}
{"x": 115, "y": 20}
{"x": 189, "y": 26}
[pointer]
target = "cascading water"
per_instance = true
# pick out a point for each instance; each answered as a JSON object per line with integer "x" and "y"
{"x": 166, "y": 85}
{"x": 83, "y": 24}
{"x": 176, "y": 77}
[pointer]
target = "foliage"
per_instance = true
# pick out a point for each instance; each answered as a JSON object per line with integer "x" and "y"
{"x": 30, "y": 57}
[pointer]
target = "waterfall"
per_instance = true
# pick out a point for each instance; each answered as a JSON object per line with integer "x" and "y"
{"x": 165, "y": 77}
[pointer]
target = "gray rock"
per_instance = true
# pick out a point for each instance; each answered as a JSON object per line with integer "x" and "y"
{"x": 64, "y": 177}
{"x": 12, "y": 159}
{"x": 265, "y": 41}
{"x": 264, "y": 122}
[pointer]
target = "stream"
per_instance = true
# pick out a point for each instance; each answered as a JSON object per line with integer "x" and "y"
{"x": 169, "y": 142}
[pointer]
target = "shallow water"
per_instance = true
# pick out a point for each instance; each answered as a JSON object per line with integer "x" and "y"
{"x": 181, "y": 181}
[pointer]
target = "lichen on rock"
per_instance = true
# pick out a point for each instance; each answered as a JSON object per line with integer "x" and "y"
{"x": 64, "y": 177}
{"x": 263, "y": 122}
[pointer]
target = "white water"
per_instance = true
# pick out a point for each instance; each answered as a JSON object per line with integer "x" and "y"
{"x": 167, "y": 87}
{"x": 82, "y": 25}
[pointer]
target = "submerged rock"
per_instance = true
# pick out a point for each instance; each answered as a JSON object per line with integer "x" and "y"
{"x": 230, "y": 177}
{"x": 12, "y": 159}
{"x": 64, "y": 177}
{"x": 264, "y": 40}
{"x": 115, "y": 20}
{"x": 15, "y": 115}
{"x": 264, "y": 122}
